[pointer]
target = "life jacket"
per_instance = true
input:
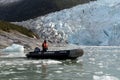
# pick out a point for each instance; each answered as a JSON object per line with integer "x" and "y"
{"x": 45, "y": 45}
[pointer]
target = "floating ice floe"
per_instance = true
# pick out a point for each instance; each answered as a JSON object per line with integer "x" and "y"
{"x": 104, "y": 78}
{"x": 14, "y": 48}
{"x": 51, "y": 62}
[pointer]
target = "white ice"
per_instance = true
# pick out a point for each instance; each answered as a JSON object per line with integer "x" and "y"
{"x": 96, "y": 23}
{"x": 104, "y": 78}
{"x": 14, "y": 48}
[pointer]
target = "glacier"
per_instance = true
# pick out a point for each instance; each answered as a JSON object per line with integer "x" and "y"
{"x": 93, "y": 24}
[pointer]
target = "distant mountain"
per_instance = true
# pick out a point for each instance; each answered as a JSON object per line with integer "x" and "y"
{"x": 18, "y": 10}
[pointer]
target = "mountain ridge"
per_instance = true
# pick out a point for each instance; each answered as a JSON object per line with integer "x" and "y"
{"x": 27, "y": 9}
{"x": 11, "y": 33}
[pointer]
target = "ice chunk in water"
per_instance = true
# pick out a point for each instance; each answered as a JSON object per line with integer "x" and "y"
{"x": 14, "y": 48}
{"x": 104, "y": 78}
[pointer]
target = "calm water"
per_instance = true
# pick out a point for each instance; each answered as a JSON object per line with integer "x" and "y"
{"x": 98, "y": 63}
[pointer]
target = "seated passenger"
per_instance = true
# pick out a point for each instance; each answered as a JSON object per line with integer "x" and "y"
{"x": 37, "y": 49}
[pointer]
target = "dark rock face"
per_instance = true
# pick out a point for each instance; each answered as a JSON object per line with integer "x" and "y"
{"x": 27, "y": 9}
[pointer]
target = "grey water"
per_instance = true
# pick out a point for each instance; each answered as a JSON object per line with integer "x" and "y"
{"x": 97, "y": 63}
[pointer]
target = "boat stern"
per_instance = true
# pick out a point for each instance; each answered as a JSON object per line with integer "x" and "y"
{"x": 76, "y": 53}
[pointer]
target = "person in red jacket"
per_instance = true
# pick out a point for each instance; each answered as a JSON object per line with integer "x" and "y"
{"x": 44, "y": 46}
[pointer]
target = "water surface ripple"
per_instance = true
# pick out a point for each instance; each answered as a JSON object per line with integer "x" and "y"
{"x": 98, "y": 63}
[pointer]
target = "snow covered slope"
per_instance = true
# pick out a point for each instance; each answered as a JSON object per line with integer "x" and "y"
{"x": 95, "y": 23}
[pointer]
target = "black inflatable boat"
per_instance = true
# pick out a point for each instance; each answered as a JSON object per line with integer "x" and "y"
{"x": 60, "y": 55}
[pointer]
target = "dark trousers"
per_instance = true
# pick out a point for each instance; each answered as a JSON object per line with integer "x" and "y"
{"x": 44, "y": 49}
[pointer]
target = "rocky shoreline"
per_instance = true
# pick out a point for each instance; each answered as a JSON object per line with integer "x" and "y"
{"x": 14, "y": 37}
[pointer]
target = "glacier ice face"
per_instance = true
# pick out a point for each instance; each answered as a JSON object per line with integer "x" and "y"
{"x": 95, "y": 23}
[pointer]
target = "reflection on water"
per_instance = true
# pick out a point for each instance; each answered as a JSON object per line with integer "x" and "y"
{"x": 44, "y": 69}
{"x": 96, "y": 64}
